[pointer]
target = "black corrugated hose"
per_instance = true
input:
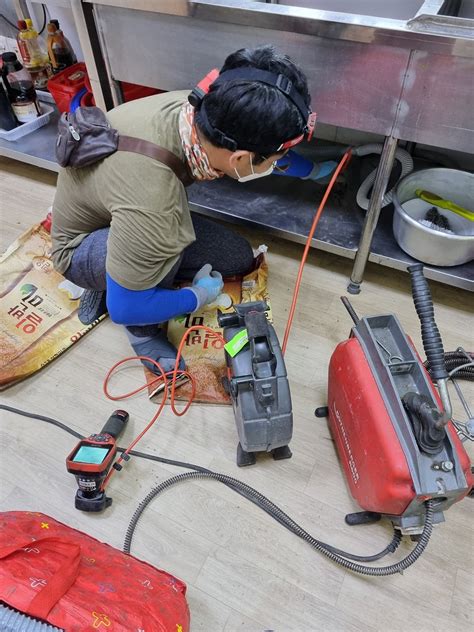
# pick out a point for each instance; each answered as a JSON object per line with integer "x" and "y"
{"x": 348, "y": 560}
{"x": 432, "y": 342}
{"x": 340, "y": 557}
{"x": 454, "y": 360}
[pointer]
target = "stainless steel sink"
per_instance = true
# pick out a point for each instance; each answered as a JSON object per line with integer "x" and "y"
{"x": 399, "y": 10}
{"x": 391, "y": 67}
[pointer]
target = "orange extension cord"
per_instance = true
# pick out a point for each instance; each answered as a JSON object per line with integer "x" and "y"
{"x": 170, "y": 377}
{"x": 344, "y": 160}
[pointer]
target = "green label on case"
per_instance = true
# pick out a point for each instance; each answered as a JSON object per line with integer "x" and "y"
{"x": 237, "y": 343}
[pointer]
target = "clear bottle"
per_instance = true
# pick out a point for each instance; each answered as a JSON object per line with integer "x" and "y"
{"x": 60, "y": 52}
{"x": 34, "y": 54}
{"x": 21, "y": 40}
{"x": 20, "y": 89}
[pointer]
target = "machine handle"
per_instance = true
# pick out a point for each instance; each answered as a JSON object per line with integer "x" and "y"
{"x": 430, "y": 335}
{"x": 115, "y": 423}
{"x": 227, "y": 320}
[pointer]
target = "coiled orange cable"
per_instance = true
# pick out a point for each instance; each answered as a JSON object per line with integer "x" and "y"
{"x": 166, "y": 378}
{"x": 171, "y": 376}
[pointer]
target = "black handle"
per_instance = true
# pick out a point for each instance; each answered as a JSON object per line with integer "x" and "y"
{"x": 430, "y": 335}
{"x": 227, "y": 320}
{"x": 115, "y": 423}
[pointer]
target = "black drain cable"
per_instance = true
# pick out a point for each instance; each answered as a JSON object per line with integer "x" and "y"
{"x": 343, "y": 558}
{"x": 459, "y": 362}
{"x": 336, "y": 555}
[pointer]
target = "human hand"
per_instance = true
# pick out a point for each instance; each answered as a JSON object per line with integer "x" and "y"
{"x": 207, "y": 285}
{"x": 321, "y": 170}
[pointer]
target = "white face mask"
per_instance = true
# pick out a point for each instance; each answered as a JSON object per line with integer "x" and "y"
{"x": 254, "y": 175}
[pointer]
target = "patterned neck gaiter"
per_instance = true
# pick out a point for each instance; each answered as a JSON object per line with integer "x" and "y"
{"x": 197, "y": 158}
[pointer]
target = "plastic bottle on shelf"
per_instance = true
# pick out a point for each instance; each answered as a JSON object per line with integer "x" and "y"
{"x": 20, "y": 89}
{"x": 39, "y": 66}
{"x": 60, "y": 52}
{"x": 7, "y": 117}
{"x": 33, "y": 53}
{"x": 21, "y": 40}
{"x": 56, "y": 23}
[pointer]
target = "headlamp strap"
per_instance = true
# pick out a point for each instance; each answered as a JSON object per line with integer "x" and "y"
{"x": 202, "y": 88}
{"x": 216, "y": 134}
{"x": 247, "y": 73}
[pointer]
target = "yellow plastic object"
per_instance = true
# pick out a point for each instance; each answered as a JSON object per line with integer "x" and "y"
{"x": 432, "y": 198}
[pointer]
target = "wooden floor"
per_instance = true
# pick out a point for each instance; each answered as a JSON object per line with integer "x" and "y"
{"x": 243, "y": 570}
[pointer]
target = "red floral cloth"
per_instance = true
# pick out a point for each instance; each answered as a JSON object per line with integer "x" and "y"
{"x": 67, "y": 578}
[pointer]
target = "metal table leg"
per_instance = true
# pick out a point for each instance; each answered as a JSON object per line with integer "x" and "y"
{"x": 89, "y": 38}
{"x": 372, "y": 217}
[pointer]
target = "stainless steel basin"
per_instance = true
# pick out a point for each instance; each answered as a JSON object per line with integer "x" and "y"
{"x": 424, "y": 243}
{"x": 399, "y": 10}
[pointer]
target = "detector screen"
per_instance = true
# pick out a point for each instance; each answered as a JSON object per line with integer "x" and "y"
{"x": 90, "y": 454}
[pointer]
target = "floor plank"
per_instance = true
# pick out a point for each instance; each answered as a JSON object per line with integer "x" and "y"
{"x": 244, "y": 571}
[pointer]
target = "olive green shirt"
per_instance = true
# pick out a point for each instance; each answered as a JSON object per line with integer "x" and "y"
{"x": 141, "y": 199}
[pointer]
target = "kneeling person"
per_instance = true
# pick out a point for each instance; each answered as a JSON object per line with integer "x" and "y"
{"x": 122, "y": 228}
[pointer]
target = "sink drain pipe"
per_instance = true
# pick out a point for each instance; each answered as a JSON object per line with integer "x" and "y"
{"x": 403, "y": 157}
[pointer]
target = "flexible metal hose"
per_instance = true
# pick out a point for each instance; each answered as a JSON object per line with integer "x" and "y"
{"x": 403, "y": 157}
{"x": 340, "y": 557}
{"x": 432, "y": 342}
{"x": 453, "y": 360}
{"x": 13, "y": 621}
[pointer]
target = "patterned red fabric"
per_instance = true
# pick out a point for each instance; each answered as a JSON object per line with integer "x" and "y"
{"x": 69, "y": 579}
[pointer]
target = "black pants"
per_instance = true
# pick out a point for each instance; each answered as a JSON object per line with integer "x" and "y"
{"x": 226, "y": 251}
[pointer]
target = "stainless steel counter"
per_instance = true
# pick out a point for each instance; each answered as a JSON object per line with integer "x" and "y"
{"x": 406, "y": 78}
{"x": 286, "y": 207}
{"x": 37, "y": 148}
{"x": 401, "y": 69}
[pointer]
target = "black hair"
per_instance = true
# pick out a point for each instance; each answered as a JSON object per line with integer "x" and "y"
{"x": 256, "y": 115}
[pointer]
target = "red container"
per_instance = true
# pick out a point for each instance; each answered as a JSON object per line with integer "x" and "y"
{"x": 66, "y": 84}
{"x": 87, "y": 100}
{"x": 130, "y": 91}
{"x": 370, "y": 452}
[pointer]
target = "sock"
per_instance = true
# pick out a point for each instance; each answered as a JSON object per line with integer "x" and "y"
{"x": 157, "y": 347}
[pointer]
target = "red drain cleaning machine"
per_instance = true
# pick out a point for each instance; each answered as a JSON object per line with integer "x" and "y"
{"x": 396, "y": 443}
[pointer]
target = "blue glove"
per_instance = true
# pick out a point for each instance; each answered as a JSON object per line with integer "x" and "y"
{"x": 207, "y": 285}
{"x": 296, "y": 165}
{"x": 321, "y": 170}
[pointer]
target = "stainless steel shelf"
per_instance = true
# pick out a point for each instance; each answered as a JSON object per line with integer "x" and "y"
{"x": 282, "y": 206}
{"x": 286, "y": 207}
{"x": 37, "y": 148}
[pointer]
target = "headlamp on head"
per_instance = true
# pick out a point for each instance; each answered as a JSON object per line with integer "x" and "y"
{"x": 278, "y": 81}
